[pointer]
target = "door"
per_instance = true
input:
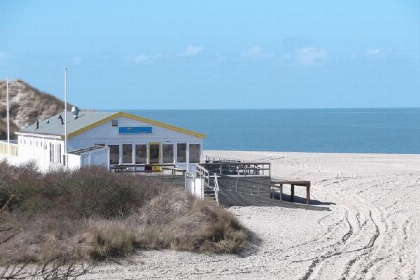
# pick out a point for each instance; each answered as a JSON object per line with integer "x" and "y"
{"x": 154, "y": 156}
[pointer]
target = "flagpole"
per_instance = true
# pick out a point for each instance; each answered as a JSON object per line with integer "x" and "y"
{"x": 65, "y": 115}
{"x": 8, "y": 116}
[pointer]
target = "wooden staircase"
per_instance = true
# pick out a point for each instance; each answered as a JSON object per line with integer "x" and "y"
{"x": 210, "y": 193}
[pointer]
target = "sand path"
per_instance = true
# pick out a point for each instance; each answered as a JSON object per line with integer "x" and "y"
{"x": 371, "y": 231}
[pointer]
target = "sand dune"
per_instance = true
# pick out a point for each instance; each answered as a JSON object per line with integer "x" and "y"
{"x": 371, "y": 231}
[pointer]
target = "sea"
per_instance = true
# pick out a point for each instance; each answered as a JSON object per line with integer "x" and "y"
{"x": 391, "y": 131}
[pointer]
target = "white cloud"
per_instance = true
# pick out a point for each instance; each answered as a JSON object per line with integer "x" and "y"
{"x": 254, "y": 53}
{"x": 143, "y": 58}
{"x": 371, "y": 54}
{"x": 376, "y": 53}
{"x": 76, "y": 60}
{"x": 191, "y": 51}
{"x": 309, "y": 56}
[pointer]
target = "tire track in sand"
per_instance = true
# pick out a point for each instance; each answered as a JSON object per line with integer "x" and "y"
{"x": 315, "y": 268}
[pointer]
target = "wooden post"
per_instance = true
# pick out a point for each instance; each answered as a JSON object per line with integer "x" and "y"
{"x": 308, "y": 193}
{"x": 281, "y": 192}
{"x": 236, "y": 185}
{"x": 292, "y": 194}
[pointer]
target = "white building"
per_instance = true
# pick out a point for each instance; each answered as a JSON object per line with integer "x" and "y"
{"x": 110, "y": 139}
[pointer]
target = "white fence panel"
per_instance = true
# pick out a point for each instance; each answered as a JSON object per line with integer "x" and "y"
{"x": 74, "y": 161}
{"x": 195, "y": 186}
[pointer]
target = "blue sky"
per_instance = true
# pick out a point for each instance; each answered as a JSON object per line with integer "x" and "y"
{"x": 192, "y": 54}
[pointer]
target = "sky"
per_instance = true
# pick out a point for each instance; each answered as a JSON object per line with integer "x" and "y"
{"x": 216, "y": 54}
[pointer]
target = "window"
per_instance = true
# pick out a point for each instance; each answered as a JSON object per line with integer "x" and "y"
{"x": 59, "y": 153}
{"x": 114, "y": 122}
{"x": 154, "y": 152}
{"x": 51, "y": 152}
{"x": 141, "y": 154}
{"x": 194, "y": 153}
{"x": 168, "y": 153}
{"x": 114, "y": 154}
{"x": 127, "y": 153}
{"x": 181, "y": 152}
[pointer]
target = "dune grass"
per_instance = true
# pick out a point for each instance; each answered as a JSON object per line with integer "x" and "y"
{"x": 91, "y": 214}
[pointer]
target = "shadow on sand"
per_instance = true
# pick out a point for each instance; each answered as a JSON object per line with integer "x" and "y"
{"x": 302, "y": 200}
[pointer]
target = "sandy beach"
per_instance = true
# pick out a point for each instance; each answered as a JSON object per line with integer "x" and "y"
{"x": 371, "y": 231}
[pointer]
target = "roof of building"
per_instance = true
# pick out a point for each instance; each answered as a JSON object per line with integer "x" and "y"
{"x": 88, "y": 120}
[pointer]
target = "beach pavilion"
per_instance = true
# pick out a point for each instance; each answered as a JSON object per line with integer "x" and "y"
{"x": 110, "y": 139}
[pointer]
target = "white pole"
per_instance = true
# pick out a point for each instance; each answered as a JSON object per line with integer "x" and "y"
{"x": 8, "y": 116}
{"x": 65, "y": 116}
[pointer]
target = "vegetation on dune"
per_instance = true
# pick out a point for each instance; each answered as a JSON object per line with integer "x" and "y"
{"x": 91, "y": 214}
{"x": 3, "y": 128}
{"x": 27, "y": 104}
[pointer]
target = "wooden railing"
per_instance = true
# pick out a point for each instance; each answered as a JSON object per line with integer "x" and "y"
{"x": 238, "y": 168}
{"x": 172, "y": 169}
{"x": 247, "y": 187}
{"x": 203, "y": 173}
{"x": 216, "y": 189}
{"x": 9, "y": 149}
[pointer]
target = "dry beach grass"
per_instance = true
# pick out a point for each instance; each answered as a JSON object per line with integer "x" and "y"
{"x": 91, "y": 214}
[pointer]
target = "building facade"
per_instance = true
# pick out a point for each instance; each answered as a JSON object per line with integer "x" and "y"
{"x": 108, "y": 139}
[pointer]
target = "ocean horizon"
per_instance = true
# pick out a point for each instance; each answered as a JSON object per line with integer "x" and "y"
{"x": 347, "y": 130}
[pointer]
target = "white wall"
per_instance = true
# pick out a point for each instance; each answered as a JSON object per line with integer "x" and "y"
{"x": 74, "y": 161}
{"x": 38, "y": 149}
{"x": 106, "y": 133}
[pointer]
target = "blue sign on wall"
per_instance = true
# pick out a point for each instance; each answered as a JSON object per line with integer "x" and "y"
{"x": 134, "y": 129}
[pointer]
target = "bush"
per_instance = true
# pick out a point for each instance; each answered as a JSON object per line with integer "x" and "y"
{"x": 92, "y": 214}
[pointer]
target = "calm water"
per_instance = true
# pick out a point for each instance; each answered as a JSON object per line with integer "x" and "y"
{"x": 302, "y": 130}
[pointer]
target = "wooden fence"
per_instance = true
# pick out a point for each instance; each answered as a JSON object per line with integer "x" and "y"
{"x": 9, "y": 149}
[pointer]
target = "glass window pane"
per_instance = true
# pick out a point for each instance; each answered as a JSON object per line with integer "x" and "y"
{"x": 168, "y": 153}
{"x": 141, "y": 154}
{"x": 127, "y": 153}
{"x": 154, "y": 153}
{"x": 194, "y": 153}
{"x": 59, "y": 153}
{"x": 114, "y": 154}
{"x": 181, "y": 152}
{"x": 51, "y": 152}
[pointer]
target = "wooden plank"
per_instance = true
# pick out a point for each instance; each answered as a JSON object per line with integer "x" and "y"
{"x": 292, "y": 193}
{"x": 308, "y": 193}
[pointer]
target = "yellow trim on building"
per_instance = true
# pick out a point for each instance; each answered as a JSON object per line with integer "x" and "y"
{"x": 134, "y": 117}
